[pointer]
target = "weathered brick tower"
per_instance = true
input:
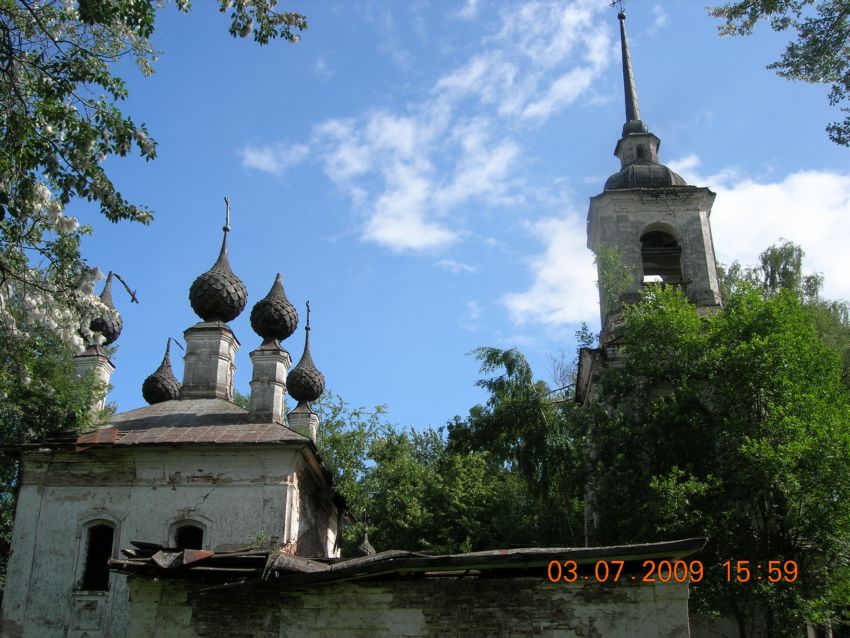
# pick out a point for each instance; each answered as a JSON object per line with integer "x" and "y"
{"x": 650, "y": 221}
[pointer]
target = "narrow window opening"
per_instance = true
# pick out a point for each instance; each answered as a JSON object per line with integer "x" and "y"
{"x": 98, "y": 553}
{"x": 662, "y": 258}
{"x": 641, "y": 152}
{"x": 189, "y": 537}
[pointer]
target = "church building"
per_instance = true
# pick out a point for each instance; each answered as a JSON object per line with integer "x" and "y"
{"x": 191, "y": 471}
{"x": 195, "y": 517}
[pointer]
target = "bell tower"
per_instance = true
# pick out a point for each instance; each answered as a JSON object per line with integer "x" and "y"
{"x": 649, "y": 220}
{"x": 647, "y": 225}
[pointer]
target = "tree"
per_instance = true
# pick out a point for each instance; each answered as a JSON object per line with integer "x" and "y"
{"x": 820, "y": 53}
{"x": 523, "y": 426}
{"x": 731, "y": 426}
{"x": 59, "y": 119}
{"x": 39, "y": 393}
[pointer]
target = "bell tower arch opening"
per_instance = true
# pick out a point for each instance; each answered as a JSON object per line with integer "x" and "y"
{"x": 661, "y": 257}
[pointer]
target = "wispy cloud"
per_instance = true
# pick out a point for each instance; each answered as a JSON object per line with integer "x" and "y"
{"x": 273, "y": 159}
{"x": 456, "y": 266}
{"x": 388, "y": 39}
{"x": 321, "y": 68}
{"x": 469, "y": 11}
{"x": 419, "y": 175}
{"x": 661, "y": 19}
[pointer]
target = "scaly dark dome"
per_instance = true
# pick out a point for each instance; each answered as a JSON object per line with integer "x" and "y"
{"x": 162, "y": 385}
{"x": 644, "y": 175}
{"x": 365, "y": 547}
{"x": 273, "y": 317}
{"x": 305, "y": 383}
{"x": 109, "y": 325}
{"x": 218, "y": 294}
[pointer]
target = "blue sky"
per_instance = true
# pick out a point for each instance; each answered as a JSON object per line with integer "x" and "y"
{"x": 420, "y": 171}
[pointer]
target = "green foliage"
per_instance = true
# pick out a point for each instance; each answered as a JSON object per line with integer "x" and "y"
{"x": 731, "y": 426}
{"x": 259, "y": 539}
{"x": 241, "y": 399}
{"x": 60, "y": 119}
{"x": 615, "y": 276}
{"x": 39, "y": 394}
{"x": 412, "y": 491}
{"x": 819, "y": 54}
{"x": 524, "y": 428}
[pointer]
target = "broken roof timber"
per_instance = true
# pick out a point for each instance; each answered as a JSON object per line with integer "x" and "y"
{"x": 282, "y": 570}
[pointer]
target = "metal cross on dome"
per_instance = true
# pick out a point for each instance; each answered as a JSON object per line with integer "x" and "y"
{"x": 620, "y": 4}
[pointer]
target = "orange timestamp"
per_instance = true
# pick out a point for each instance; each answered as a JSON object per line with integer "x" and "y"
{"x": 604, "y": 571}
{"x": 665, "y": 571}
{"x": 773, "y": 571}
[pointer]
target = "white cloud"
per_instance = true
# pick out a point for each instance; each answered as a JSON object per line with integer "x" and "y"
{"x": 661, "y": 20}
{"x": 468, "y": 11}
{"x": 273, "y": 159}
{"x": 562, "y": 92}
{"x": 399, "y": 220}
{"x": 564, "y": 286}
{"x": 810, "y": 208}
{"x": 417, "y": 174}
{"x": 456, "y": 266}
{"x": 320, "y": 67}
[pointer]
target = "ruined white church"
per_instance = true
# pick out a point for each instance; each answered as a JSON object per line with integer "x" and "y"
{"x": 141, "y": 527}
{"x": 192, "y": 470}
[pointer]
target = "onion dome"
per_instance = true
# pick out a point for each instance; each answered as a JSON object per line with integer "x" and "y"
{"x": 365, "y": 547}
{"x": 109, "y": 324}
{"x": 162, "y": 385}
{"x": 649, "y": 175}
{"x": 304, "y": 382}
{"x": 218, "y": 294}
{"x": 273, "y": 316}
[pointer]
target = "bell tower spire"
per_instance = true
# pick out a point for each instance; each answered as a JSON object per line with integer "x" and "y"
{"x": 633, "y": 121}
{"x": 656, "y": 224}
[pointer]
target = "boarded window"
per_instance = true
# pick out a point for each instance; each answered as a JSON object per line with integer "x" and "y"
{"x": 98, "y": 553}
{"x": 662, "y": 258}
{"x": 189, "y": 537}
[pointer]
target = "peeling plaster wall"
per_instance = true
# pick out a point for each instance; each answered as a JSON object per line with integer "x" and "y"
{"x": 317, "y": 517}
{"x": 234, "y": 493}
{"x": 433, "y": 607}
{"x": 617, "y": 219}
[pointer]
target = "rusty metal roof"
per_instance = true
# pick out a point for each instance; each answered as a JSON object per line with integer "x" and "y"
{"x": 258, "y": 567}
{"x": 186, "y": 421}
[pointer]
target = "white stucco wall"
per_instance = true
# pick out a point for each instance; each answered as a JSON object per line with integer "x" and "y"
{"x": 234, "y": 491}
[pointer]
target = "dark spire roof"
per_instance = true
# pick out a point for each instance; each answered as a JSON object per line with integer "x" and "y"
{"x": 305, "y": 383}
{"x": 110, "y": 324}
{"x": 633, "y": 122}
{"x": 637, "y": 148}
{"x": 273, "y": 316}
{"x": 218, "y": 294}
{"x": 162, "y": 385}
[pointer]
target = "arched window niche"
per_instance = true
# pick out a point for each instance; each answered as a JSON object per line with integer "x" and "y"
{"x": 187, "y": 534}
{"x": 98, "y": 546}
{"x": 661, "y": 256}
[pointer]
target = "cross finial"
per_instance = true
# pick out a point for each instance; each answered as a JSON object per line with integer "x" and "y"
{"x": 619, "y": 4}
{"x": 307, "y": 327}
{"x": 227, "y": 215}
{"x": 168, "y": 345}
